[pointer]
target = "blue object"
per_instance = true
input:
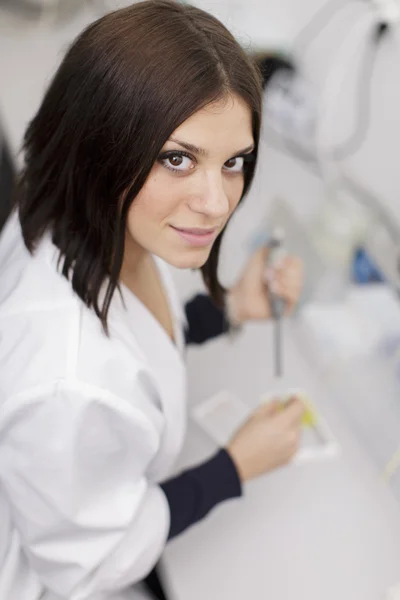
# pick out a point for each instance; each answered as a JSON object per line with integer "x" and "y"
{"x": 364, "y": 269}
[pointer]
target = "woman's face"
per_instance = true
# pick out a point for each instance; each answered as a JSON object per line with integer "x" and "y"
{"x": 194, "y": 186}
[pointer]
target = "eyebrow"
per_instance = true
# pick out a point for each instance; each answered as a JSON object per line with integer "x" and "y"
{"x": 202, "y": 152}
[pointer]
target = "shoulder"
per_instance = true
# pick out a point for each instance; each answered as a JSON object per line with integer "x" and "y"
{"x": 48, "y": 334}
{"x": 37, "y": 309}
{"x": 30, "y": 282}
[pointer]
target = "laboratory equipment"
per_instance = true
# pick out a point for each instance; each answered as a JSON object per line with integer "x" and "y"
{"x": 38, "y": 12}
{"x": 276, "y": 253}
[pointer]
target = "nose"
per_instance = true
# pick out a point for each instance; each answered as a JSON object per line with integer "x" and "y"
{"x": 210, "y": 198}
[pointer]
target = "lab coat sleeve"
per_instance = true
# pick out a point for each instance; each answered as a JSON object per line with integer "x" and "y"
{"x": 72, "y": 461}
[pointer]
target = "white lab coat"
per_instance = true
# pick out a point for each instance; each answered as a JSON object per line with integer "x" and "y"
{"x": 88, "y": 426}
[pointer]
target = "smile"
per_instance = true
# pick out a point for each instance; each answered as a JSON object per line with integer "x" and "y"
{"x": 196, "y": 236}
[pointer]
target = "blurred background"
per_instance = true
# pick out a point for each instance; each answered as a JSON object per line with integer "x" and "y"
{"x": 328, "y": 175}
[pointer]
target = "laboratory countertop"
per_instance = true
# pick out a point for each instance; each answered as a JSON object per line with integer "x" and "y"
{"x": 328, "y": 530}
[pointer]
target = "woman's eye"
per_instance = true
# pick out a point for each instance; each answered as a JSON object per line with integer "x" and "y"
{"x": 177, "y": 162}
{"x": 235, "y": 165}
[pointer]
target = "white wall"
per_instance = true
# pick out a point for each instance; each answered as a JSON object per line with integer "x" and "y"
{"x": 376, "y": 164}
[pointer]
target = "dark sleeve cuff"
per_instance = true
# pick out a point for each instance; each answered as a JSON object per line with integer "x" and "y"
{"x": 195, "y": 492}
{"x": 205, "y": 320}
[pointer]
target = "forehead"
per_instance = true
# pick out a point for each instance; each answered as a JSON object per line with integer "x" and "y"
{"x": 222, "y": 125}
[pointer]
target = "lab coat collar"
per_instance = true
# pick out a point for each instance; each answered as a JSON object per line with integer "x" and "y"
{"x": 164, "y": 370}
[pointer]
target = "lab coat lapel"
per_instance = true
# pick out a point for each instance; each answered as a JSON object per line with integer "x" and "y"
{"x": 165, "y": 368}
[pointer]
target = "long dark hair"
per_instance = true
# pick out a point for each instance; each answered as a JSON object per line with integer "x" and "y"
{"x": 127, "y": 82}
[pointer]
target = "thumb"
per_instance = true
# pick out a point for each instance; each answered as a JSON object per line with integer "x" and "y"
{"x": 260, "y": 256}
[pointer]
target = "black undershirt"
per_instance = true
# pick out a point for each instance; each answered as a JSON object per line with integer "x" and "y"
{"x": 192, "y": 494}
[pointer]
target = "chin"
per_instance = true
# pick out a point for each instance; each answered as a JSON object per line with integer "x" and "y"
{"x": 189, "y": 259}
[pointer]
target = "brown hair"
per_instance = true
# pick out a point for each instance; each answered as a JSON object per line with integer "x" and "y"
{"x": 127, "y": 82}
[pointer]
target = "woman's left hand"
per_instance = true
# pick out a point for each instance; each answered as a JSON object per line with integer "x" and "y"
{"x": 249, "y": 299}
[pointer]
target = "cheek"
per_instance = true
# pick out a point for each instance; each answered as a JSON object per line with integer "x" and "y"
{"x": 234, "y": 189}
{"x": 155, "y": 203}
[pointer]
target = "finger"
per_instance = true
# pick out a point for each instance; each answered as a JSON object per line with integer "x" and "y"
{"x": 292, "y": 270}
{"x": 268, "y": 408}
{"x": 274, "y": 287}
{"x": 285, "y": 281}
{"x": 294, "y": 262}
{"x": 295, "y": 408}
{"x": 289, "y": 261}
{"x": 288, "y": 291}
{"x": 289, "y": 275}
{"x": 272, "y": 282}
{"x": 295, "y": 399}
{"x": 287, "y": 278}
{"x": 292, "y": 413}
{"x": 269, "y": 275}
{"x": 289, "y": 294}
{"x": 285, "y": 271}
{"x": 279, "y": 274}
{"x": 261, "y": 255}
{"x": 273, "y": 276}
{"x": 284, "y": 262}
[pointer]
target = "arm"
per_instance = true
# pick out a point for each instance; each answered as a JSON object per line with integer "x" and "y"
{"x": 73, "y": 466}
{"x": 195, "y": 492}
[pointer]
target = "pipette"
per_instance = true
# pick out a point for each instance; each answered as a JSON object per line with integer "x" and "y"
{"x": 276, "y": 246}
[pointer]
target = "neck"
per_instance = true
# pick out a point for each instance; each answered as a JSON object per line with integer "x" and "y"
{"x": 136, "y": 260}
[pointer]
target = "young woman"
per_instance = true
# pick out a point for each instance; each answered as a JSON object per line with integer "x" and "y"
{"x": 144, "y": 145}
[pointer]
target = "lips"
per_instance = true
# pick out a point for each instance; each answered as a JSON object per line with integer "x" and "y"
{"x": 195, "y": 230}
{"x": 195, "y": 236}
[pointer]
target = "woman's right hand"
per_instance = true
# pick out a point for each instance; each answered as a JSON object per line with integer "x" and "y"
{"x": 268, "y": 440}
